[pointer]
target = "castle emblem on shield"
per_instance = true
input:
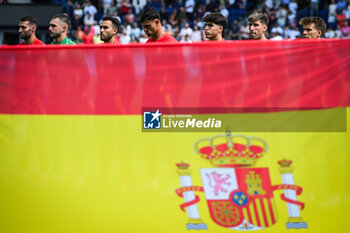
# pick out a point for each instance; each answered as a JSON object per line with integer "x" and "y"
{"x": 239, "y": 195}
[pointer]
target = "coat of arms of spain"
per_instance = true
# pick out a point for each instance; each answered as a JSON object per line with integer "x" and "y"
{"x": 239, "y": 195}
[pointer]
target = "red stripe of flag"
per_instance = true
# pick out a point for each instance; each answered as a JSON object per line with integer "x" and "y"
{"x": 264, "y": 212}
{"x": 271, "y": 211}
{"x": 256, "y": 213}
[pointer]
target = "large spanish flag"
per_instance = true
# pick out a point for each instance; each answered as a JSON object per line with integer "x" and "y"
{"x": 75, "y": 155}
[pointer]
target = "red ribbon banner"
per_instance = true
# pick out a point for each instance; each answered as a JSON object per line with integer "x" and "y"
{"x": 292, "y": 187}
{"x": 180, "y": 192}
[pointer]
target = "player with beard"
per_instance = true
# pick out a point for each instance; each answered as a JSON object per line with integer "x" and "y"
{"x": 58, "y": 30}
{"x": 108, "y": 30}
{"x": 27, "y": 28}
{"x": 257, "y": 26}
{"x": 215, "y": 24}
{"x": 150, "y": 21}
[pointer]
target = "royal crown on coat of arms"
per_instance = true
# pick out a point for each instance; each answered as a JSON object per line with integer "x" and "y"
{"x": 239, "y": 196}
{"x": 231, "y": 151}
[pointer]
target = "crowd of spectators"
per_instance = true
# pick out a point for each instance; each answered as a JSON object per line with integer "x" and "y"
{"x": 182, "y": 18}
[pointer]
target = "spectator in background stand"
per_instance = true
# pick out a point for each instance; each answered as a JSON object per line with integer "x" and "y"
{"x": 276, "y": 36}
{"x": 314, "y": 7}
{"x": 185, "y": 39}
{"x": 108, "y": 30}
{"x": 181, "y": 16}
{"x": 341, "y": 5}
{"x": 112, "y": 7}
{"x": 313, "y": 27}
{"x": 187, "y": 30}
{"x": 197, "y": 34}
{"x": 76, "y": 22}
{"x": 291, "y": 18}
{"x": 224, "y": 11}
{"x": 150, "y": 21}
{"x": 88, "y": 19}
{"x": 90, "y": 8}
{"x": 138, "y": 5}
{"x": 79, "y": 34}
{"x": 341, "y": 18}
{"x": 124, "y": 9}
{"x": 293, "y": 7}
{"x": 97, "y": 39}
{"x": 337, "y": 32}
{"x": 244, "y": 31}
{"x": 330, "y": 34}
{"x": 292, "y": 33}
{"x": 347, "y": 11}
{"x": 234, "y": 32}
{"x": 281, "y": 16}
{"x": 135, "y": 32}
{"x": 143, "y": 38}
{"x": 88, "y": 35}
{"x": 58, "y": 29}
{"x": 345, "y": 31}
{"x": 130, "y": 17}
{"x": 125, "y": 38}
{"x": 257, "y": 26}
{"x": 215, "y": 24}
{"x": 27, "y": 29}
{"x": 277, "y": 29}
{"x": 78, "y": 10}
{"x": 189, "y": 5}
{"x": 106, "y": 5}
{"x": 96, "y": 28}
{"x": 332, "y": 14}
{"x": 68, "y": 8}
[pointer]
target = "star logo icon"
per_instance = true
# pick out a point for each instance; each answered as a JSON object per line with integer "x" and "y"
{"x": 156, "y": 115}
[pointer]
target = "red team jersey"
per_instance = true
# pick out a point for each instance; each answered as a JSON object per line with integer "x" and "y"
{"x": 117, "y": 41}
{"x": 166, "y": 38}
{"x": 36, "y": 41}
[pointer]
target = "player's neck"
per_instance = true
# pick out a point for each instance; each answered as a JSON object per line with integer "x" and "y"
{"x": 217, "y": 38}
{"x": 60, "y": 38}
{"x": 158, "y": 34}
{"x": 263, "y": 37}
{"x": 111, "y": 41}
{"x": 30, "y": 39}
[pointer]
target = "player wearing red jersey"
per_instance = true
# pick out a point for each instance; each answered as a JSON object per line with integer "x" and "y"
{"x": 109, "y": 28}
{"x": 27, "y": 28}
{"x": 150, "y": 21}
{"x": 215, "y": 23}
{"x": 257, "y": 26}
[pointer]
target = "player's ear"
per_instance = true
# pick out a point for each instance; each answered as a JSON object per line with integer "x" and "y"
{"x": 221, "y": 28}
{"x": 157, "y": 21}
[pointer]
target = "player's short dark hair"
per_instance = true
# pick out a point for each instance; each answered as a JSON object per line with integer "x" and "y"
{"x": 216, "y": 18}
{"x": 319, "y": 23}
{"x": 258, "y": 17}
{"x": 63, "y": 18}
{"x": 31, "y": 19}
{"x": 149, "y": 14}
{"x": 114, "y": 20}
